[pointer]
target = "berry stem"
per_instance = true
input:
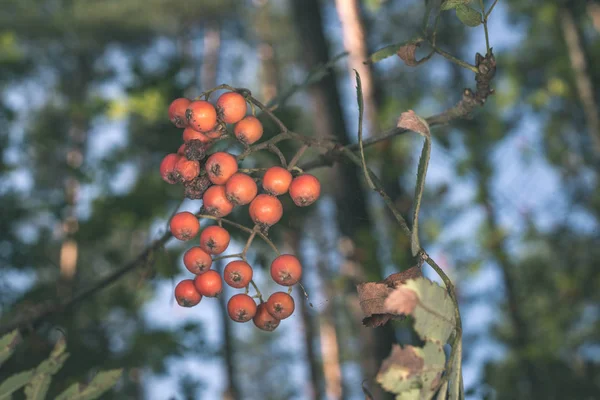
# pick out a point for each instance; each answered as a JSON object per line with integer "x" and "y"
{"x": 257, "y": 291}
{"x": 296, "y": 157}
{"x": 274, "y": 149}
{"x": 236, "y": 255}
{"x": 252, "y": 170}
{"x": 249, "y": 242}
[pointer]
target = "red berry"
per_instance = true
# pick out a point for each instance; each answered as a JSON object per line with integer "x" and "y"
{"x": 231, "y": 107}
{"x": 191, "y": 134}
{"x": 237, "y": 274}
{"x": 184, "y": 225}
{"x": 263, "y": 320}
{"x": 216, "y": 132}
{"x": 305, "y": 190}
{"x": 280, "y": 305}
{"x": 209, "y": 284}
{"x": 197, "y": 260}
{"x": 286, "y": 270}
{"x": 167, "y": 168}
{"x": 277, "y": 180}
{"x": 187, "y": 169}
{"x": 240, "y": 189}
{"x": 201, "y": 115}
{"x": 241, "y": 308}
{"x": 177, "y": 112}
{"x": 215, "y": 201}
{"x": 214, "y": 239}
{"x": 186, "y": 294}
{"x": 266, "y": 210}
{"x": 249, "y": 130}
{"x": 220, "y": 167}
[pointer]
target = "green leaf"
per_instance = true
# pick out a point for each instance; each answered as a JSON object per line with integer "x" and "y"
{"x": 8, "y": 343}
{"x": 14, "y": 383}
{"x": 450, "y": 4}
{"x": 100, "y": 384}
{"x": 410, "y": 120}
{"x": 390, "y": 50}
{"x": 468, "y": 16}
{"x": 434, "y": 312}
{"x": 37, "y": 388}
{"x": 413, "y": 372}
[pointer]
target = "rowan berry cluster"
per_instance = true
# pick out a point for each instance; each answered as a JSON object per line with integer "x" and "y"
{"x": 217, "y": 179}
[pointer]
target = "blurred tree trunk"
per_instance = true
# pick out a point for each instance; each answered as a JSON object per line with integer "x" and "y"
{"x": 75, "y": 86}
{"x": 581, "y": 74}
{"x": 269, "y": 69}
{"x": 352, "y": 213}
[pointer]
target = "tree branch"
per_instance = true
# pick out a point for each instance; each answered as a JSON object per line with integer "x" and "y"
{"x": 333, "y": 153}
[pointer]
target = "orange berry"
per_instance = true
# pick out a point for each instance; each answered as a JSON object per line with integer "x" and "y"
{"x": 266, "y": 210}
{"x": 277, "y": 180}
{"x": 184, "y": 225}
{"x": 197, "y": 260}
{"x": 249, "y": 130}
{"x": 186, "y": 294}
{"x": 209, "y": 284}
{"x": 240, "y": 189}
{"x": 167, "y": 168}
{"x": 241, "y": 307}
{"x": 181, "y": 150}
{"x": 214, "y": 239}
{"x": 286, "y": 270}
{"x": 305, "y": 190}
{"x": 215, "y": 201}
{"x": 263, "y": 320}
{"x": 201, "y": 115}
{"x": 187, "y": 169}
{"x": 177, "y": 112}
{"x": 280, "y": 305}
{"x": 218, "y": 131}
{"x": 238, "y": 274}
{"x": 231, "y": 107}
{"x": 220, "y": 167}
{"x": 191, "y": 134}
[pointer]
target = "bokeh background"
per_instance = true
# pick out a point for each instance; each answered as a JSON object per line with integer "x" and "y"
{"x": 511, "y": 207}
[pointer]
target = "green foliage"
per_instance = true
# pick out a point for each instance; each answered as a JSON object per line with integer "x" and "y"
{"x": 469, "y": 16}
{"x": 37, "y": 388}
{"x": 102, "y": 382}
{"x": 415, "y": 372}
{"x": 8, "y": 343}
{"x": 37, "y": 381}
{"x": 434, "y": 312}
{"x": 452, "y": 4}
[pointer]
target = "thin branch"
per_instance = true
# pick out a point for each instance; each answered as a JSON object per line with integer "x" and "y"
{"x": 30, "y": 320}
{"x": 296, "y": 157}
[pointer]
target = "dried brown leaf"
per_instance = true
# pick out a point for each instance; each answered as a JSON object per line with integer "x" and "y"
{"x": 372, "y": 297}
{"x": 411, "y": 121}
{"x": 401, "y": 301}
{"x": 407, "y": 53}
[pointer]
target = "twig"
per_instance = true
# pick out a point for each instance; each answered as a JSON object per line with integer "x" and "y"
{"x": 54, "y": 307}
{"x": 296, "y": 157}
